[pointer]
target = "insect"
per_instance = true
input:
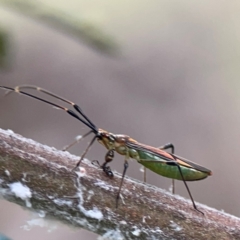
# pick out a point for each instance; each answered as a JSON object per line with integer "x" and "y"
{"x": 156, "y": 159}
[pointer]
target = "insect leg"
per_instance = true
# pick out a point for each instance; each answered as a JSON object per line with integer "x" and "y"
{"x": 108, "y": 158}
{"x": 175, "y": 163}
{"x": 165, "y": 147}
{"x": 194, "y": 205}
{"x": 78, "y": 139}
{"x": 85, "y": 152}
{"x": 123, "y": 175}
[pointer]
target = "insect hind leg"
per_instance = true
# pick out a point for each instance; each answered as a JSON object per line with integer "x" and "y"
{"x": 176, "y": 164}
{"x": 165, "y": 147}
{"x": 188, "y": 190}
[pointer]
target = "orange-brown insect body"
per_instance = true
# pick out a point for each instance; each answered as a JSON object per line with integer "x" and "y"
{"x": 158, "y": 161}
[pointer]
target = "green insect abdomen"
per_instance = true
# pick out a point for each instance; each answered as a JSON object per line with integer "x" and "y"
{"x": 160, "y": 166}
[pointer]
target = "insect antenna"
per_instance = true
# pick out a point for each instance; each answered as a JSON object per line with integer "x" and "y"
{"x": 75, "y": 106}
{"x": 85, "y": 121}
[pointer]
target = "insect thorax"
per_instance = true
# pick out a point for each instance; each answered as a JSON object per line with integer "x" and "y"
{"x": 112, "y": 141}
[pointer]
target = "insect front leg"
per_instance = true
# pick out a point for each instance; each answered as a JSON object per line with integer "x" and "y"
{"x": 77, "y": 140}
{"x": 108, "y": 158}
{"x": 84, "y": 153}
{"x": 164, "y": 147}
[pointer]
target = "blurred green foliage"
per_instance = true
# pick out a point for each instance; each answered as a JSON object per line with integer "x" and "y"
{"x": 4, "y": 48}
{"x": 76, "y": 28}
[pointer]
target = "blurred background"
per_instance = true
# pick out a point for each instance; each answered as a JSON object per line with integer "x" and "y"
{"x": 173, "y": 77}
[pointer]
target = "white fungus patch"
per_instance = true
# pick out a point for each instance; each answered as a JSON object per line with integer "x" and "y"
{"x": 123, "y": 222}
{"x": 24, "y": 178}
{"x": 7, "y": 173}
{"x": 9, "y": 131}
{"x": 112, "y": 235}
{"x": 157, "y": 230}
{"x": 95, "y": 212}
{"x": 62, "y": 202}
{"x": 90, "y": 194}
{"x": 43, "y": 175}
{"x": 175, "y": 226}
{"x": 39, "y": 222}
{"x": 50, "y": 196}
{"x": 21, "y": 191}
{"x": 104, "y": 185}
{"x": 136, "y": 232}
{"x": 41, "y": 213}
{"x": 81, "y": 172}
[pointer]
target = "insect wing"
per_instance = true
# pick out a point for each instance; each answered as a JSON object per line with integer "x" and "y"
{"x": 188, "y": 163}
{"x": 168, "y": 157}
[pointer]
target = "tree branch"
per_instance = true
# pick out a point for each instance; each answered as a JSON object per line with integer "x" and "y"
{"x": 88, "y": 198}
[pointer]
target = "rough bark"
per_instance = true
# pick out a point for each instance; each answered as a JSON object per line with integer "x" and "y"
{"x": 87, "y": 197}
